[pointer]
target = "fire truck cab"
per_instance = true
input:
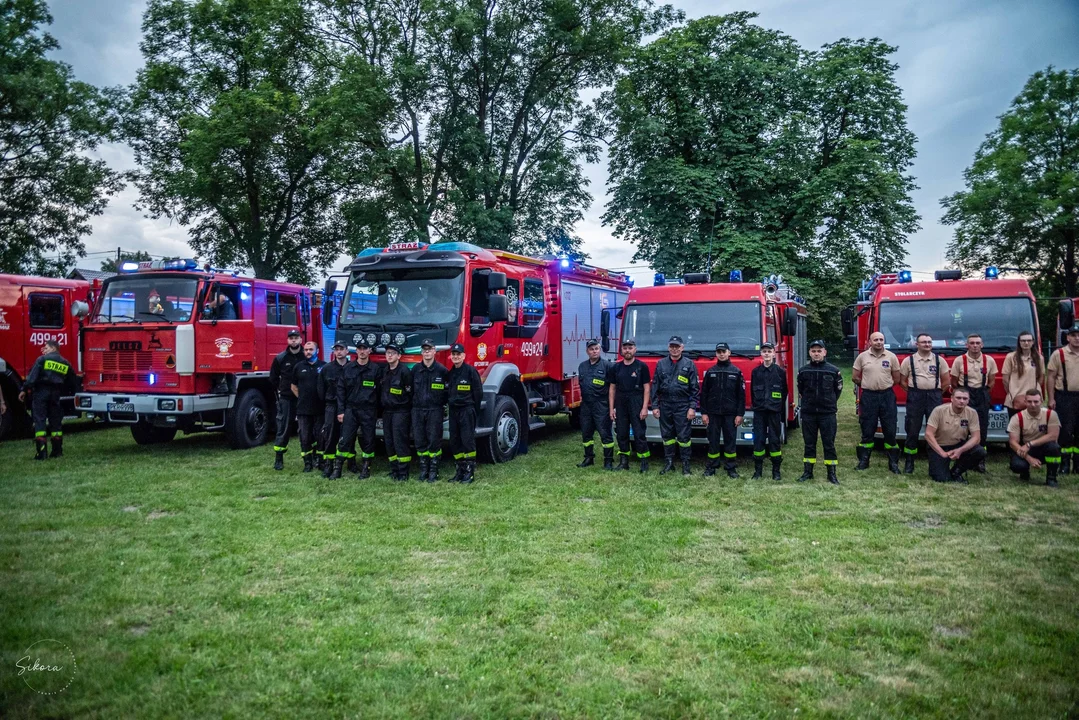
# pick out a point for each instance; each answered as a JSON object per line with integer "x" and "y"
{"x": 171, "y": 346}
{"x": 703, "y": 313}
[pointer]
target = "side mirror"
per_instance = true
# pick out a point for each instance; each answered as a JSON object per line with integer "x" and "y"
{"x": 496, "y": 281}
{"x": 790, "y": 321}
{"x": 498, "y": 307}
{"x": 847, "y": 317}
{"x": 79, "y": 309}
{"x": 605, "y": 329}
{"x": 850, "y": 342}
{"x": 331, "y": 287}
{"x": 327, "y": 311}
{"x": 1066, "y": 314}
{"x": 619, "y": 313}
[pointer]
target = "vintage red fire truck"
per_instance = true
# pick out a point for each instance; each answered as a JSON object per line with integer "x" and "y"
{"x": 171, "y": 346}
{"x": 33, "y": 310}
{"x": 742, "y": 314}
{"x": 949, "y": 308}
{"x": 523, "y": 321}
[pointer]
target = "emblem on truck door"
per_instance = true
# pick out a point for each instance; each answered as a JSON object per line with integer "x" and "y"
{"x": 223, "y": 346}
{"x": 481, "y": 351}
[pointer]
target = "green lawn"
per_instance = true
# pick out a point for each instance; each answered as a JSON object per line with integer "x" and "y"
{"x": 193, "y": 581}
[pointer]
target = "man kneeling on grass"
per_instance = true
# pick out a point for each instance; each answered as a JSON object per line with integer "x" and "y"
{"x": 953, "y": 433}
{"x": 1032, "y": 436}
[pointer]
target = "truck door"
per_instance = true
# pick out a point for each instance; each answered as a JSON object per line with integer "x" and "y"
{"x": 282, "y": 315}
{"x": 486, "y": 335}
{"x": 48, "y": 321}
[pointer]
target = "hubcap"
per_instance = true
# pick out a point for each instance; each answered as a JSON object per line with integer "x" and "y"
{"x": 508, "y": 433}
{"x": 256, "y": 421}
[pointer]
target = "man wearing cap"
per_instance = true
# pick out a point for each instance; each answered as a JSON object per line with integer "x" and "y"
{"x": 1062, "y": 383}
{"x": 976, "y": 371}
{"x": 768, "y": 388}
{"x": 819, "y": 387}
{"x": 876, "y": 372}
{"x": 46, "y": 383}
{"x": 309, "y": 408}
{"x": 677, "y": 389}
{"x": 627, "y": 399}
{"x": 925, "y": 378}
{"x": 1032, "y": 437}
{"x": 357, "y": 405}
{"x": 594, "y": 377}
{"x": 281, "y": 379}
{"x": 723, "y": 405}
{"x": 464, "y": 391}
{"x": 327, "y": 392}
{"x": 953, "y": 434}
{"x": 428, "y": 403}
{"x": 396, "y": 401}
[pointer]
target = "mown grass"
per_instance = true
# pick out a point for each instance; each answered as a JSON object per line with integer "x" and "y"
{"x": 194, "y": 581}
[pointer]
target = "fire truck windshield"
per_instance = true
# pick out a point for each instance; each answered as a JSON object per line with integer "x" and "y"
{"x": 404, "y": 297}
{"x": 998, "y": 320}
{"x": 140, "y": 299}
{"x": 701, "y": 326}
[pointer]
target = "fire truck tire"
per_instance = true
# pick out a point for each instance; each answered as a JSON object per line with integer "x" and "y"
{"x": 501, "y": 445}
{"x": 145, "y": 433}
{"x": 247, "y": 424}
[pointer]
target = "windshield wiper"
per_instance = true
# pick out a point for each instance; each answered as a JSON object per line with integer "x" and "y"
{"x": 651, "y": 353}
{"x": 156, "y": 316}
{"x": 114, "y": 318}
{"x": 414, "y": 326}
{"x": 735, "y": 353}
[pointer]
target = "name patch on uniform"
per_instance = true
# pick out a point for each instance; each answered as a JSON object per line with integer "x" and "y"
{"x": 395, "y": 391}
{"x": 56, "y": 367}
{"x": 464, "y": 388}
{"x": 885, "y": 363}
{"x": 777, "y": 394}
{"x": 683, "y": 379}
{"x": 368, "y": 383}
{"x": 1043, "y": 428}
{"x": 963, "y": 423}
{"x": 932, "y": 369}
{"x": 438, "y": 386}
{"x": 598, "y": 381}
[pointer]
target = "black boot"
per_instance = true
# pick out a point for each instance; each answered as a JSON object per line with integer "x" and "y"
{"x": 623, "y": 462}
{"x": 42, "y": 450}
{"x": 893, "y": 460}
{"x": 758, "y": 468}
{"x": 589, "y": 458}
{"x": 908, "y": 466}
{"x": 644, "y": 465}
{"x": 807, "y": 474}
{"x": 351, "y": 465}
{"x": 685, "y": 468}
{"x": 404, "y": 470}
{"x": 320, "y": 462}
{"x": 432, "y": 470}
{"x": 832, "y": 475}
{"x": 732, "y": 472}
{"x": 668, "y": 463}
{"x": 328, "y": 463}
{"x": 279, "y": 460}
{"x": 425, "y": 467}
{"x": 864, "y": 454}
{"x": 470, "y": 473}
{"x": 57, "y": 447}
{"x": 709, "y": 468}
{"x": 460, "y": 471}
{"x": 365, "y": 468}
{"x": 1051, "y": 471}
{"x": 395, "y": 471}
{"x": 981, "y": 468}
{"x": 776, "y": 462}
{"x": 338, "y": 465}
{"x": 687, "y": 455}
{"x": 1065, "y": 465}
{"x": 608, "y": 458}
{"x": 308, "y": 463}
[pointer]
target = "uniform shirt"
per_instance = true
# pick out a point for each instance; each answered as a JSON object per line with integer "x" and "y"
{"x": 281, "y": 370}
{"x": 305, "y": 376}
{"x": 768, "y": 386}
{"x": 396, "y": 388}
{"x": 676, "y": 383}
{"x": 927, "y": 372}
{"x": 952, "y": 429}
{"x": 464, "y": 387}
{"x": 1033, "y": 428}
{"x": 357, "y": 386}
{"x": 1019, "y": 384}
{"x": 594, "y": 377}
{"x": 819, "y": 386}
{"x": 629, "y": 380}
{"x": 1071, "y": 364}
{"x": 979, "y": 370}
{"x": 724, "y": 390}
{"x": 49, "y": 369}
{"x": 876, "y": 369}
{"x": 328, "y": 376}
{"x": 429, "y": 385}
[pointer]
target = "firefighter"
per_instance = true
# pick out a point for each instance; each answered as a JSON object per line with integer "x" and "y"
{"x": 768, "y": 388}
{"x": 976, "y": 371}
{"x": 428, "y": 404}
{"x": 677, "y": 390}
{"x": 953, "y": 433}
{"x": 46, "y": 383}
{"x": 925, "y": 378}
{"x": 309, "y": 407}
{"x": 876, "y": 372}
{"x": 1062, "y": 380}
{"x": 281, "y": 378}
{"x": 594, "y": 376}
{"x": 396, "y": 400}
{"x": 357, "y": 405}
{"x": 327, "y": 393}
{"x": 723, "y": 406}
{"x": 1032, "y": 436}
{"x": 465, "y": 392}
{"x": 819, "y": 388}
{"x": 627, "y": 398}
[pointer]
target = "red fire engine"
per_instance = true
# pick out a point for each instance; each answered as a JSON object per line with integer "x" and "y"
{"x": 948, "y": 308}
{"x": 168, "y": 346}
{"x": 703, "y": 313}
{"x": 523, "y": 321}
{"x": 33, "y": 310}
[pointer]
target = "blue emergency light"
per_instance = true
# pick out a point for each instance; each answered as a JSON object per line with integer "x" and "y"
{"x": 129, "y": 266}
{"x": 565, "y": 262}
{"x": 736, "y": 276}
{"x": 153, "y": 378}
{"x": 992, "y": 272}
{"x": 660, "y": 279}
{"x": 905, "y": 276}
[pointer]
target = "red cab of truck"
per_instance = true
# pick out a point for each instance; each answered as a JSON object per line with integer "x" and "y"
{"x": 176, "y": 363}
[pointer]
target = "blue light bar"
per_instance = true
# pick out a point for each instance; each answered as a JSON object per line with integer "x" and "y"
{"x": 660, "y": 279}
{"x": 736, "y": 276}
{"x": 992, "y": 272}
{"x": 129, "y": 266}
{"x": 905, "y": 276}
{"x": 565, "y": 262}
{"x": 188, "y": 264}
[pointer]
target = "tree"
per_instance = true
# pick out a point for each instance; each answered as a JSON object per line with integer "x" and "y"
{"x": 248, "y": 128}
{"x": 1021, "y": 205}
{"x": 489, "y": 131}
{"x": 113, "y": 264}
{"x": 49, "y": 123}
{"x": 735, "y": 148}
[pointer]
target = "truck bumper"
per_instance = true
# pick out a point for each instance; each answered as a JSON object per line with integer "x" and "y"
{"x": 998, "y": 426}
{"x": 159, "y": 409}
{"x": 699, "y": 436}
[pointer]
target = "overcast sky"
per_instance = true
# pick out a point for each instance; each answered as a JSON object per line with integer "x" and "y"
{"x": 961, "y": 62}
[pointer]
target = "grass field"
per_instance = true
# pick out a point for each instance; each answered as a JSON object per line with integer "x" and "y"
{"x": 193, "y": 581}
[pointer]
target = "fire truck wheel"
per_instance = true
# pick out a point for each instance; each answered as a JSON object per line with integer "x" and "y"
{"x": 501, "y": 444}
{"x": 247, "y": 424}
{"x": 146, "y": 434}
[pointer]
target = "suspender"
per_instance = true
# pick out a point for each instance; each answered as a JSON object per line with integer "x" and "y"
{"x": 914, "y": 373}
{"x": 966, "y": 372}
{"x": 1048, "y": 414}
{"x": 1063, "y": 370}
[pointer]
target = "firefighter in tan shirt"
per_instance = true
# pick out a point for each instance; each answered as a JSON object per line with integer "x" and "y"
{"x": 976, "y": 371}
{"x": 1022, "y": 370}
{"x": 953, "y": 434}
{"x": 925, "y": 376}
{"x": 1032, "y": 436}
{"x": 1062, "y": 383}
{"x": 876, "y": 372}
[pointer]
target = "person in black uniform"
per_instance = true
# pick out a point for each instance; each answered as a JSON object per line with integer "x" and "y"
{"x": 594, "y": 376}
{"x": 768, "y": 388}
{"x": 357, "y": 405}
{"x": 628, "y": 396}
{"x": 309, "y": 407}
{"x": 723, "y": 406}
{"x": 327, "y": 393}
{"x": 465, "y": 393}
{"x": 428, "y": 403}
{"x": 46, "y": 382}
{"x": 281, "y": 378}
{"x": 819, "y": 387}
{"x": 396, "y": 401}
{"x": 676, "y": 391}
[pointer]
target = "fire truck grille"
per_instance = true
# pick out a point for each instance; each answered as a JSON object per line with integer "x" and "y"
{"x": 129, "y": 361}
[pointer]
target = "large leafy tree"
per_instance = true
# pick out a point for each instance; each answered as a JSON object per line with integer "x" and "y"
{"x": 249, "y": 128}
{"x": 50, "y": 187}
{"x": 1020, "y": 207}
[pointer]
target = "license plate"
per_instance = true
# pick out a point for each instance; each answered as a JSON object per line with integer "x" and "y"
{"x": 121, "y": 407}
{"x": 697, "y": 421}
{"x": 378, "y": 424}
{"x": 998, "y": 420}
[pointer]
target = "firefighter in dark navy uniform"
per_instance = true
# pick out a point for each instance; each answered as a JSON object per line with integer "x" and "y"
{"x": 309, "y": 406}
{"x": 357, "y": 407}
{"x": 465, "y": 390}
{"x": 396, "y": 401}
{"x": 46, "y": 382}
{"x": 327, "y": 392}
{"x": 428, "y": 404}
{"x": 594, "y": 375}
{"x": 819, "y": 388}
{"x": 676, "y": 390}
{"x": 631, "y": 388}
{"x": 281, "y": 379}
{"x": 723, "y": 406}
{"x": 768, "y": 388}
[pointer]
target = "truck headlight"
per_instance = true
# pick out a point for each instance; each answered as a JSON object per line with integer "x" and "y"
{"x": 166, "y": 405}
{"x": 86, "y": 402}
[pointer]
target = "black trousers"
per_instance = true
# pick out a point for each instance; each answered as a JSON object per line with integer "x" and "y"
{"x": 331, "y": 432}
{"x": 46, "y": 411}
{"x": 675, "y": 428}
{"x": 940, "y": 468}
{"x": 361, "y": 422}
{"x": 1067, "y": 411}
{"x": 920, "y": 404}
{"x": 767, "y": 433}
{"x": 1048, "y": 453}
{"x": 979, "y": 400}
{"x": 427, "y": 431}
{"x": 396, "y": 432}
{"x": 823, "y": 424}
{"x": 627, "y": 416}
{"x": 310, "y": 433}
{"x": 722, "y": 440}
{"x": 595, "y": 417}
{"x": 286, "y": 411}
{"x": 878, "y": 407}
{"x": 463, "y": 432}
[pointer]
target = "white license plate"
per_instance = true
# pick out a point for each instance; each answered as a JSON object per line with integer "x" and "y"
{"x": 998, "y": 420}
{"x": 121, "y": 407}
{"x": 378, "y": 424}
{"x": 697, "y": 420}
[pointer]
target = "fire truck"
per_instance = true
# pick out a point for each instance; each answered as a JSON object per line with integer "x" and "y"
{"x": 742, "y": 314}
{"x": 33, "y": 310}
{"x": 948, "y": 308}
{"x": 523, "y": 321}
{"x": 196, "y": 358}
